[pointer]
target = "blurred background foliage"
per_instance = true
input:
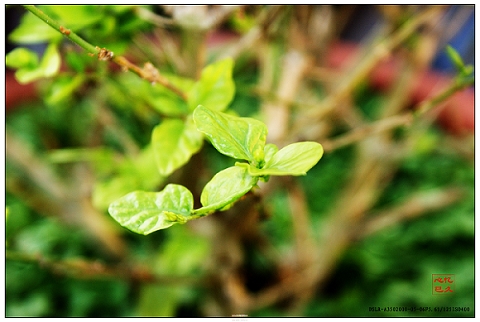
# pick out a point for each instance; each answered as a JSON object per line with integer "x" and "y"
{"x": 361, "y": 230}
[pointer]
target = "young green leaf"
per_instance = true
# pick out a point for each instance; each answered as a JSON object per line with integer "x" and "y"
{"x": 215, "y": 87}
{"x": 294, "y": 159}
{"x": 174, "y": 142}
{"x": 77, "y": 17}
{"x": 49, "y": 66}
{"x": 27, "y": 75}
{"x": 270, "y": 150}
{"x": 139, "y": 173}
{"x": 51, "y": 60}
{"x": 164, "y": 100}
{"x": 21, "y": 58}
{"x": 225, "y": 187}
{"x": 158, "y": 97}
{"x": 455, "y": 58}
{"x": 145, "y": 212}
{"x": 238, "y": 137}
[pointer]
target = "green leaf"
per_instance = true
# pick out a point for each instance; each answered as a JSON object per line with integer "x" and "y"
{"x": 174, "y": 142}
{"x": 25, "y": 75}
{"x": 294, "y": 159}
{"x": 145, "y": 167}
{"x": 455, "y": 57}
{"x": 193, "y": 247}
{"x": 63, "y": 89}
{"x": 77, "y": 61}
{"x": 164, "y": 100}
{"x": 21, "y": 58}
{"x": 118, "y": 9}
{"x": 33, "y": 30}
{"x": 145, "y": 212}
{"x": 158, "y": 97}
{"x": 270, "y": 150}
{"x": 215, "y": 87}
{"x": 139, "y": 173}
{"x": 48, "y": 67}
{"x": 51, "y": 60}
{"x": 238, "y": 137}
{"x": 226, "y": 187}
{"x": 467, "y": 71}
{"x": 76, "y": 17}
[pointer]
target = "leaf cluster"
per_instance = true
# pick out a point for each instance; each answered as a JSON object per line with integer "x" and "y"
{"x": 112, "y": 25}
{"x": 237, "y": 137}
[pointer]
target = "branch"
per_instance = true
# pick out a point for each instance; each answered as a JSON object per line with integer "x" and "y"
{"x": 363, "y": 132}
{"x": 301, "y": 223}
{"x": 153, "y": 18}
{"x": 148, "y": 72}
{"x": 83, "y": 269}
{"x": 277, "y": 113}
{"x": 52, "y": 196}
{"x": 252, "y": 37}
{"x": 428, "y": 104}
{"x": 66, "y": 32}
{"x": 38, "y": 171}
{"x": 415, "y": 206}
{"x": 354, "y": 77}
{"x": 395, "y": 121}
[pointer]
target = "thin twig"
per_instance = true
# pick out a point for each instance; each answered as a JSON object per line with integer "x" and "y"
{"x": 386, "y": 124}
{"x": 366, "y": 131}
{"x": 428, "y": 104}
{"x": 413, "y": 207}
{"x": 110, "y": 123}
{"x": 52, "y": 196}
{"x": 355, "y": 77}
{"x": 83, "y": 269}
{"x": 219, "y": 14}
{"x": 41, "y": 174}
{"x": 153, "y": 18}
{"x": 277, "y": 113}
{"x": 64, "y": 31}
{"x": 254, "y": 35}
{"x": 148, "y": 72}
{"x": 301, "y": 223}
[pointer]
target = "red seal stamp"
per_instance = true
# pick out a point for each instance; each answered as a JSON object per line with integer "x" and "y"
{"x": 443, "y": 284}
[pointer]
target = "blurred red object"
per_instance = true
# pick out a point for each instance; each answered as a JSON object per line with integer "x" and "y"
{"x": 457, "y": 115}
{"x": 16, "y": 93}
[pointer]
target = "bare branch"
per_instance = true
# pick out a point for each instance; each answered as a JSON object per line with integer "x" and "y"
{"x": 415, "y": 206}
{"x": 92, "y": 270}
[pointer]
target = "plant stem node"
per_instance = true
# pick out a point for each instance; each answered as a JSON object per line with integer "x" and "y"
{"x": 104, "y": 54}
